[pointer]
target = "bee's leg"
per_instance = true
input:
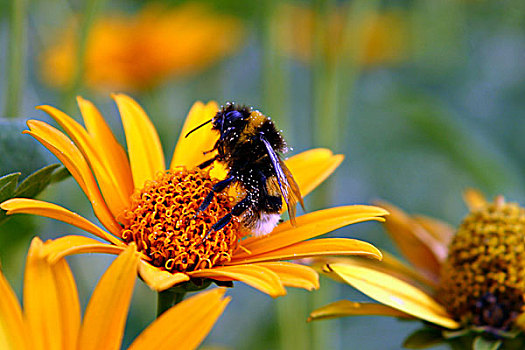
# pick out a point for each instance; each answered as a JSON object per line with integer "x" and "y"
{"x": 215, "y": 146}
{"x": 213, "y": 149}
{"x": 219, "y": 224}
{"x": 208, "y": 162}
{"x": 237, "y": 210}
{"x": 218, "y": 187}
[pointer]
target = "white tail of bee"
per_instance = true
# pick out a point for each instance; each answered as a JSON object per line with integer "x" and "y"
{"x": 265, "y": 224}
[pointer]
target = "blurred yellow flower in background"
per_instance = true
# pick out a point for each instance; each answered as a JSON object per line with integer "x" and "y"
{"x": 51, "y": 317}
{"x": 379, "y": 38}
{"x": 141, "y": 200}
{"x": 468, "y": 284}
{"x": 134, "y": 52}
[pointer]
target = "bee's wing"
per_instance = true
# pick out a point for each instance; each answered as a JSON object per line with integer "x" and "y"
{"x": 287, "y": 185}
{"x": 294, "y": 194}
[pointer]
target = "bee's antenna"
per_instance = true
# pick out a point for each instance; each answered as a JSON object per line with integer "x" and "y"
{"x": 198, "y": 127}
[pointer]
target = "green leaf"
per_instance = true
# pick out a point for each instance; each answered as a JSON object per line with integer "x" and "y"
{"x": 36, "y": 182}
{"x": 456, "y": 334}
{"x": 7, "y": 188}
{"x": 31, "y": 186}
{"x": 517, "y": 343}
{"x": 481, "y": 343}
{"x": 60, "y": 174}
{"x": 461, "y": 343}
{"x": 423, "y": 338}
{"x": 7, "y": 185}
{"x": 20, "y": 153}
{"x": 501, "y": 334}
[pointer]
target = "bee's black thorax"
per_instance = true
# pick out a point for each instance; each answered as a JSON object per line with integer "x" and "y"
{"x": 240, "y": 129}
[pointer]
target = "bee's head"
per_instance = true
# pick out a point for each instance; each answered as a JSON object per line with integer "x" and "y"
{"x": 228, "y": 119}
{"x": 231, "y": 117}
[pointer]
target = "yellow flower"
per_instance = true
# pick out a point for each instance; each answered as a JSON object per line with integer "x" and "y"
{"x": 142, "y": 201}
{"x": 141, "y": 51}
{"x": 375, "y": 39}
{"x": 473, "y": 279}
{"x": 51, "y": 318}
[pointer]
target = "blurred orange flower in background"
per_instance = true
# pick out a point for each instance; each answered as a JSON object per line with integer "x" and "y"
{"x": 140, "y": 51}
{"x": 374, "y": 39}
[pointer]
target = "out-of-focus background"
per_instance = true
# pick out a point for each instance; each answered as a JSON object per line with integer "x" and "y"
{"x": 424, "y": 97}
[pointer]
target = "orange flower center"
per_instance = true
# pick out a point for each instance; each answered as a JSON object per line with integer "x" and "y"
{"x": 163, "y": 224}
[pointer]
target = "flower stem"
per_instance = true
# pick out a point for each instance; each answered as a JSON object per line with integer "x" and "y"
{"x": 292, "y": 311}
{"x": 90, "y": 13}
{"x": 325, "y": 112}
{"x": 348, "y": 65}
{"x": 333, "y": 80}
{"x": 168, "y": 298}
{"x": 16, "y": 57}
{"x": 326, "y": 120}
{"x": 276, "y": 72}
{"x": 174, "y": 295}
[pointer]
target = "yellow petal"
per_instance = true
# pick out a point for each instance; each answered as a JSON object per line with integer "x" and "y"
{"x": 41, "y": 301}
{"x": 311, "y": 225}
{"x": 419, "y": 247}
{"x": 53, "y": 211}
{"x": 13, "y": 331}
{"x": 56, "y": 249}
{"x": 257, "y": 277}
{"x": 107, "y": 144}
{"x": 440, "y": 230}
{"x": 311, "y": 248}
{"x": 116, "y": 197}
{"x": 63, "y": 148}
{"x": 343, "y": 308}
{"x": 106, "y": 313}
{"x": 294, "y": 275}
{"x": 312, "y": 167}
{"x": 189, "y": 150}
{"x": 389, "y": 265}
{"x": 74, "y": 161}
{"x": 145, "y": 151}
{"x": 69, "y": 309}
{"x": 474, "y": 199}
{"x": 185, "y": 325}
{"x": 158, "y": 279}
{"x": 395, "y": 293}
{"x": 407, "y": 272}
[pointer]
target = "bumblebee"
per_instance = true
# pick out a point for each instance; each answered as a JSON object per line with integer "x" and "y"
{"x": 250, "y": 146}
